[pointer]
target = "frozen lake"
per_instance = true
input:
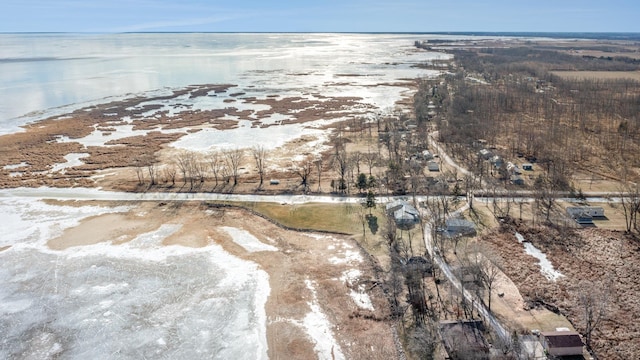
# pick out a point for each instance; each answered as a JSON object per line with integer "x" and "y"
{"x": 130, "y": 301}
{"x": 49, "y": 74}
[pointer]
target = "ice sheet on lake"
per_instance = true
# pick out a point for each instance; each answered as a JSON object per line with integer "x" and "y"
{"x": 101, "y": 137}
{"x": 107, "y": 68}
{"x": 30, "y": 221}
{"x": 73, "y": 159}
{"x": 546, "y": 267}
{"x": 15, "y": 166}
{"x": 131, "y": 301}
{"x": 247, "y": 137}
{"x": 246, "y": 240}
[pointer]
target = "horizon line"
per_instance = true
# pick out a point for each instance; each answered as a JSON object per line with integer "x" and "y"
{"x": 470, "y": 32}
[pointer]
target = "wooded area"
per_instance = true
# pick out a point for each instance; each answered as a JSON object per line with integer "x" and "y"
{"x": 509, "y": 99}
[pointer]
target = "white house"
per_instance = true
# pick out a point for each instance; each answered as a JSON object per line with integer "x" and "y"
{"x": 486, "y": 154}
{"x": 584, "y": 215}
{"x": 404, "y": 214}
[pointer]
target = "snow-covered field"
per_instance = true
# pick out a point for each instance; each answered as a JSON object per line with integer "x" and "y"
{"x": 131, "y": 301}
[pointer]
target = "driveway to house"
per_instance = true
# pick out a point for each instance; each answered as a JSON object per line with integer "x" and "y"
{"x": 448, "y": 272}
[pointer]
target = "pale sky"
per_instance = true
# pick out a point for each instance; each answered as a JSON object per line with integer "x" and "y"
{"x": 319, "y": 15}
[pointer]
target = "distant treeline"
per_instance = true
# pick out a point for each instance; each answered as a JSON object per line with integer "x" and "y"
{"x": 523, "y": 58}
{"x": 511, "y": 99}
{"x": 554, "y": 35}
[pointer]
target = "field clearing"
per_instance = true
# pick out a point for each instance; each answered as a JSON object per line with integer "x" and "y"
{"x": 599, "y": 75}
{"x": 313, "y": 216}
{"x": 596, "y": 53}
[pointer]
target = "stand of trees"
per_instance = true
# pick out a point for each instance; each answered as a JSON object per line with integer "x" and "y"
{"x": 511, "y": 98}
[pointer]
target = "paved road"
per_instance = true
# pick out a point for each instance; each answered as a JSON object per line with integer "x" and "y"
{"x": 97, "y": 194}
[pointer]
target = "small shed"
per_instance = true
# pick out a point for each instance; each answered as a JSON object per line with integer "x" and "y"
{"x": 460, "y": 227}
{"x": 593, "y": 211}
{"x": 433, "y": 166}
{"x": 562, "y": 343}
{"x": 527, "y": 166}
{"x": 513, "y": 169}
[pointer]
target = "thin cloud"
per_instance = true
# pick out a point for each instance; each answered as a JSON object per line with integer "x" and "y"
{"x": 171, "y": 24}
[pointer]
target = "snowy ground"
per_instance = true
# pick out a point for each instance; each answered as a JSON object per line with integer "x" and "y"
{"x": 131, "y": 301}
{"x": 177, "y": 280}
{"x": 546, "y": 267}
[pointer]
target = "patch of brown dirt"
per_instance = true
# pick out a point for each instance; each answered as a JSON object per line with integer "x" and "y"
{"x": 579, "y": 254}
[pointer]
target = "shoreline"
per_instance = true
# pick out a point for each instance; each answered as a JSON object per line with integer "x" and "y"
{"x": 116, "y": 136}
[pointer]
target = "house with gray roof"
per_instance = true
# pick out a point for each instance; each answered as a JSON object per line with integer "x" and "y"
{"x": 460, "y": 227}
{"x": 584, "y": 215}
{"x": 404, "y": 214}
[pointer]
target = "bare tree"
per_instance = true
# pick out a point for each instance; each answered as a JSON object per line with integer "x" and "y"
{"x": 152, "y": 169}
{"x": 198, "y": 169}
{"x": 259, "y": 153}
{"x": 216, "y": 163}
{"x": 184, "y": 159}
{"x": 233, "y": 158}
{"x": 422, "y": 341}
{"x": 356, "y": 159}
{"x": 544, "y": 196}
{"x": 169, "y": 173}
{"x": 303, "y": 170}
{"x": 318, "y": 163}
{"x": 139, "y": 169}
{"x": 490, "y": 266}
{"x": 370, "y": 158}
{"x": 630, "y": 201}
{"x": 341, "y": 165}
{"x": 593, "y": 299}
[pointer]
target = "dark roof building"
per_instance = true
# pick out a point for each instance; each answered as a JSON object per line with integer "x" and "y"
{"x": 562, "y": 343}
{"x": 460, "y": 227}
{"x": 433, "y": 166}
{"x": 516, "y": 180}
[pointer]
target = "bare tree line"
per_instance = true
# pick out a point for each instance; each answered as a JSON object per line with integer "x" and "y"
{"x": 562, "y": 123}
{"x": 194, "y": 168}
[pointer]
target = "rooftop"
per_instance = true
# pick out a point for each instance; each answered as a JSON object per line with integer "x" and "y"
{"x": 562, "y": 339}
